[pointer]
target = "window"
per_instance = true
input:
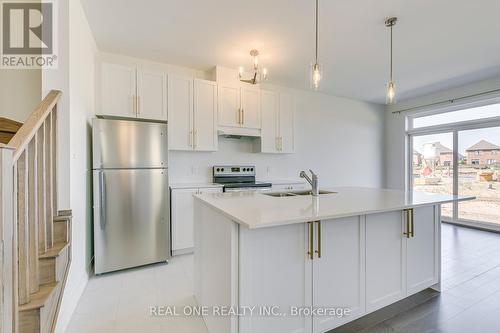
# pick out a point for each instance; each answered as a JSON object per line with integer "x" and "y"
{"x": 481, "y": 112}
{"x": 471, "y": 137}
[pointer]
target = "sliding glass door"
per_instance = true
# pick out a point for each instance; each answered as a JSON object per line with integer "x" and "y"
{"x": 458, "y": 153}
{"x": 479, "y": 174}
{"x": 432, "y": 161}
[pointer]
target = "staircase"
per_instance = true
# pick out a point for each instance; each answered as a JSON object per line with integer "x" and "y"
{"x": 35, "y": 235}
{"x": 8, "y": 128}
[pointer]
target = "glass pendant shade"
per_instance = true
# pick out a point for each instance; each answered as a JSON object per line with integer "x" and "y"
{"x": 316, "y": 74}
{"x": 391, "y": 93}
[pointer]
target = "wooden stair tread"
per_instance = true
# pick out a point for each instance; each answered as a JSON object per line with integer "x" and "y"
{"x": 54, "y": 251}
{"x": 62, "y": 218}
{"x": 39, "y": 298}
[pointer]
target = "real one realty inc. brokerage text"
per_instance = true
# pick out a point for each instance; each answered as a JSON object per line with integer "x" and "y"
{"x": 243, "y": 311}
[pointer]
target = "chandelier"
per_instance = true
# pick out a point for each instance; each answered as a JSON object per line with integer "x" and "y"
{"x": 257, "y": 74}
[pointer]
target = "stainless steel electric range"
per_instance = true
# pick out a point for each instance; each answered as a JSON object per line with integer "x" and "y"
{"x": 238, "y": 178}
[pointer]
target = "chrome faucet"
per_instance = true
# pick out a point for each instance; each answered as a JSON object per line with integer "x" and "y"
{"x": 314, "y": 181}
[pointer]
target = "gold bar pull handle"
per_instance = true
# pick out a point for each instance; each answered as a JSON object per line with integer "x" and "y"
{"x": 138, "y": 105}
{"x": 412, "y": 225}
{"x": 407, "y": 232}
{"x": 242, "y": 116}
{"x": 310, "y": 229}
{"x": 318, "y": 251}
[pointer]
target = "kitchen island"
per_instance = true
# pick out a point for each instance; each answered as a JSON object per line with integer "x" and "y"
{"x": 299, "y": 263}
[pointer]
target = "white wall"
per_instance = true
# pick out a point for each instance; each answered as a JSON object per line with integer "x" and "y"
{"x": 82, "y": 55}
{"x": 395, "y": 126}
{"x": 20, "y": 92}
{"x": 59, "y": 79}
{"x": 340, "y": 139}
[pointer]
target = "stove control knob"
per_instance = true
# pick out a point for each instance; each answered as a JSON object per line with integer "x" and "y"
{"x": 244, "y": 169}
{"x": 251, "y": 169}
{"x": 222, "y": 169}
{"x": 218, "y": 169}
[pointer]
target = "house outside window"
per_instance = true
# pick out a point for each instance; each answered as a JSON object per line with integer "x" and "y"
{"x": 475, "y": 162}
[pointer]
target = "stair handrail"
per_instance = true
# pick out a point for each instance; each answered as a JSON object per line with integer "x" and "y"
{"x": 28, "y": 130}
{"x": 28, "y": 203}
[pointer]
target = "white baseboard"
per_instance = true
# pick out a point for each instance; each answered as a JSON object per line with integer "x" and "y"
{"x": 182, "y": 251}
{"x": 69, "y": 302}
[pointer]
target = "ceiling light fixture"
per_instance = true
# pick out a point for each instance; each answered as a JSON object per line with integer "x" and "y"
{"x": 391, "y": 88}
{"x": 256, "y": 75}
{"x": 316, "y": 68}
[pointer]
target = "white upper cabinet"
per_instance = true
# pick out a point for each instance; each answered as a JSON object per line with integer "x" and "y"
{"x": 118, "y": 90}
{"x": 151, "y": 95}
{"x": 229, "y": 105}
{"x": 180, "y": 113}
{"x": 287, "y": 123}
{"x": 205, "y": 115}
{"x": 130, "y": 92}
{"x": 250, "y": 106}
{"x": 270, "y": 113}
{"x": 192, "y": 114}
{"x": 278, "y": 112}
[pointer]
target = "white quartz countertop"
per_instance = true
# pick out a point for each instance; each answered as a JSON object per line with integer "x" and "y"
{"x": 257, "y": 210}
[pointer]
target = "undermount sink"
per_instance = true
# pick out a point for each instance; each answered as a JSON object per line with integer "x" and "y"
{"x": 297, "y": 193}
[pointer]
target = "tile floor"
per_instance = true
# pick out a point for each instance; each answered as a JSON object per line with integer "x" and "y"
{"x": 119, "y": 302}
{"x": 470, "y": 301}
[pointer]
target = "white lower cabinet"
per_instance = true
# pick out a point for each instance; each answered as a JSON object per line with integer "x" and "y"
{"x": 385, "y": 259}
{"x": 275, "y": 271}
{"x": 364, "y": 263}
{"x": 339, "y": 274}
{"x": 422, "y": 263}
{"x": 182, "y": 219}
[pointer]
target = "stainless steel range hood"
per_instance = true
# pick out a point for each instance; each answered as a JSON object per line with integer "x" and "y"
{"x": 238, "y": 133}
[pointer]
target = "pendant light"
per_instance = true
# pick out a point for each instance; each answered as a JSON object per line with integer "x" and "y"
{"x": 316, "y": 68}
{"x": 391, "y": 88}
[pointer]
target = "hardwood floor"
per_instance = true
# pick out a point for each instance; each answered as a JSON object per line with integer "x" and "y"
{"x": 470, "y": 297}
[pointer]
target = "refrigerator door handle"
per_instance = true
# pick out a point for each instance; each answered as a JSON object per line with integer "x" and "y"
{"x": 102, "y": 196}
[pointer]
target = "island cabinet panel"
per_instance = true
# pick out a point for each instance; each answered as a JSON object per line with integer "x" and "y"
{"x": 216, "y": 267}
{"x": 275, "y": 271}
{"x": 339, "y": 274}
{"x": 422, "y": 250}
{"x": 385, "y": 259}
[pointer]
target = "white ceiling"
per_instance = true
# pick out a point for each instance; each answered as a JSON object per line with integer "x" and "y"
{"x": 438, "y": 44}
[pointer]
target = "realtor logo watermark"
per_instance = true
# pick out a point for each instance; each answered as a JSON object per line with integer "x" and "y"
{"x": 28, "y": 34}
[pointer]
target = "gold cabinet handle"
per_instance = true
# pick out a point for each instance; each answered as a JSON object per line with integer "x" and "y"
{"x": 195, "y": 138}
{"x": 138, "y": 105}
{"x": 412, "y": 225}
{"x": 318, "y": 251}
{"x": 409, "y": 223}
{"x": 311, "y": 240}
{"x": 242, "y": 116}
{"x": 239, "y": 116}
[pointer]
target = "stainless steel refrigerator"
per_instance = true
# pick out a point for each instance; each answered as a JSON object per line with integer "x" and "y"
{"x": 131, "y": 204}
